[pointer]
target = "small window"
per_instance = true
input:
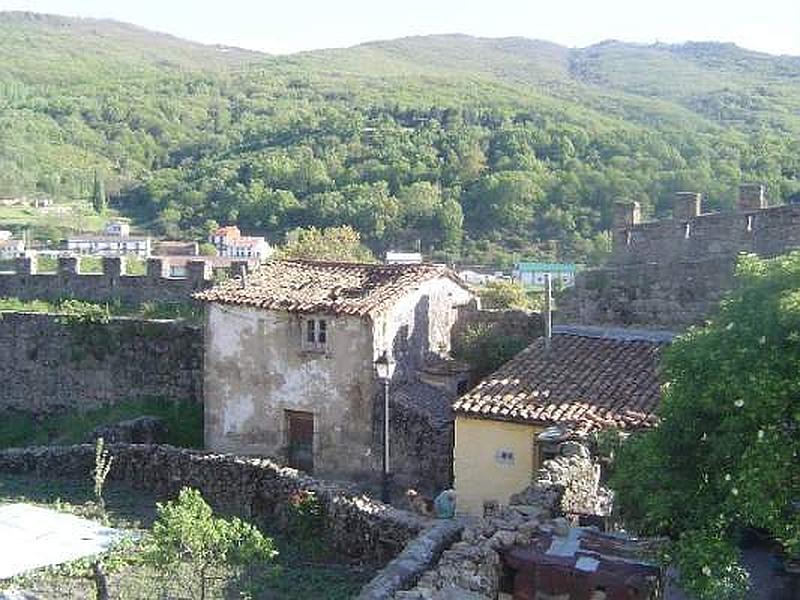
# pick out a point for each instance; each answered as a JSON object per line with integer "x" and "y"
{"x": 316, "y": 335}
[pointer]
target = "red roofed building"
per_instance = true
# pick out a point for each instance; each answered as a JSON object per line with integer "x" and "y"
{"x": 290, "y": 357}
{"x": 230, "y": 243}
{"x": 587, "y": 379}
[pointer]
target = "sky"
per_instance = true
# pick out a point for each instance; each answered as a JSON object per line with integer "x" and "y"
{"x": 282, "y": 26}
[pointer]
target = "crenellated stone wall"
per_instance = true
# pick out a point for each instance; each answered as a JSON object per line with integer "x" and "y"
{"x": 27, "y": 283}
{"x": 673, "y": 273}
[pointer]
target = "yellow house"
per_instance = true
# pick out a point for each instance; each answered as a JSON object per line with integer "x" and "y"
{"x": 586, "y": 379}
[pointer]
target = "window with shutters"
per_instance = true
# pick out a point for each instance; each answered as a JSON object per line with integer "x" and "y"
{"x": 315, "y": 335}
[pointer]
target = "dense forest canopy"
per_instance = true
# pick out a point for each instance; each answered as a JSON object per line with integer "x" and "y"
{"x": 476, "y": 149}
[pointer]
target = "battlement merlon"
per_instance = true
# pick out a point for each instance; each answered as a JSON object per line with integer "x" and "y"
{"x": 751, "y": 197}
{"x": 627, "y": 213}
{"x": 686, "y": 206}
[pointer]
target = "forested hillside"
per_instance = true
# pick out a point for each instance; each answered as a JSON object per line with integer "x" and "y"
{"x": 480, "y": 149}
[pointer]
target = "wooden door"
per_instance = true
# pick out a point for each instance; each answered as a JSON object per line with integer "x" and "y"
{"x": 300, "y": 428}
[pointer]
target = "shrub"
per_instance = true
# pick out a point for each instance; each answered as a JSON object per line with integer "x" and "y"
{"x": 485, "y": 349}
{"x": 186, "y": 531}
{"x": 504, "y": 294}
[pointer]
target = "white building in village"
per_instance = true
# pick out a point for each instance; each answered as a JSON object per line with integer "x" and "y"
{"x": 115, "y": 241}
{"x": 230, "y": 243}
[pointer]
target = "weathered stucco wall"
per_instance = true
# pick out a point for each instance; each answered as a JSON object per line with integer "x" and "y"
{"x": 48, "y": 365}
{"x": 419, "y": 325}
{"x": 482, "y": 472}
{"x": 256, "y": 369}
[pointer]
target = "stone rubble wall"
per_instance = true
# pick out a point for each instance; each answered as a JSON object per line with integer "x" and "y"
{"x": 421, "y": 451}
{"x": 568, "y": 484}
{"x": 666, "y": 295}
{"x": 253, "y": 488}
{"x": 48, "y": 365}
{"x": 471, "y": 568}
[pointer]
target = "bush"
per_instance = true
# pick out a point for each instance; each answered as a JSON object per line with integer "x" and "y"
{"x": 485, "y": 349}
{"x": 725, "y": 455}
{"x": 504, "y": 294}
{"x": 186, "y": 531}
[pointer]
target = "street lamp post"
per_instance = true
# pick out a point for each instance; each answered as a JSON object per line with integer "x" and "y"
{"x": 384, "y": 366}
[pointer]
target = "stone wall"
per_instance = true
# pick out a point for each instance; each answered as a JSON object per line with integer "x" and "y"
{"x": 665, "y": 295}
{"x": 256, "y": 489}
{"x": 26, "y": 283}
{"x": 568, "y": 484}
{"x": 673, "y": 273}
{"x": 48, "y": 365}
{"x": 471, "y": 568}
{"x": 421, "y": 440}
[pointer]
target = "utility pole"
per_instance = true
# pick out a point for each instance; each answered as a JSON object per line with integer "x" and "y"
{"x": 548, "y": 310}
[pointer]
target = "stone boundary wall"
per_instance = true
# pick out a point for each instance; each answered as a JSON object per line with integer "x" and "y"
{"x": 421, "y": 450}
{"x": 26, "y": 283}
{"x": 663, "y": 294}
{"x": 48, "y": 365}
{"x": 694, "y": 236}
{"x": 471, "y": 569}
{"x": 253, "y": 488}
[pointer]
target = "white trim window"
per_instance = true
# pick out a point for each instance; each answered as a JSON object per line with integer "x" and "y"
{"x": 315, "y": 335}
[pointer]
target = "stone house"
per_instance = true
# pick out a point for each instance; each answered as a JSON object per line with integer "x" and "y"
{"x": 588, "y": 379}
{"x": 290, "y": 357}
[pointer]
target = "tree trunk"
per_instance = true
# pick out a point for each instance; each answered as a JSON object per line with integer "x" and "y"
{"x": 100, "y": 581}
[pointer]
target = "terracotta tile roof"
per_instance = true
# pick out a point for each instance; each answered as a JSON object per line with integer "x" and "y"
{"x": 324, "y": 287}
{"x": 588, "y": 380}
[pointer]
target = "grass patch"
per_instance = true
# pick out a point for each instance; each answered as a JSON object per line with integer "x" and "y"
{"x": 291, "y": 576}
{"x": 186, "y": 311}
{"x": 183, "y": 419}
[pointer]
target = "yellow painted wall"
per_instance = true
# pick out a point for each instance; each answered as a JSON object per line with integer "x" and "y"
{"x": 482, "y": 468}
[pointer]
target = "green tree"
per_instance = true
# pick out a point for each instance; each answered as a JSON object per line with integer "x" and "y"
{"x": 725, "y": 455}
{"x": 187, "y": 532}
{"x": 332, "y": 243}
{"x": 99, "y": 200}
{"x": 504, "y": 294}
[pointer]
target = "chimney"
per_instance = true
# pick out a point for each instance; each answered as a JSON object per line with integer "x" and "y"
{"x": 751, "y": 197}
{"x": 686, "y": 206}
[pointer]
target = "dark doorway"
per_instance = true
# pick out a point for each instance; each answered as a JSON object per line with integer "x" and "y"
{"x": 300, "y": 428}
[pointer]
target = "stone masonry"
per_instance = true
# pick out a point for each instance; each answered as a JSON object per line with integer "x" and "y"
{"x": 48, "y": 365}
{"x": 254, "y": 488}
{"x": 27, "y": 283}
{"x": 673, "y": 273}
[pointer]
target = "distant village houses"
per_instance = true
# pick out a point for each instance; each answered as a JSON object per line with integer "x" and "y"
{"x": 115, "y": 241}
{"x": 581, "y": 381}
{"x": 230, "y": 243}
{"x": 291, "y": 360}
{"x": 10, "y": 248}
